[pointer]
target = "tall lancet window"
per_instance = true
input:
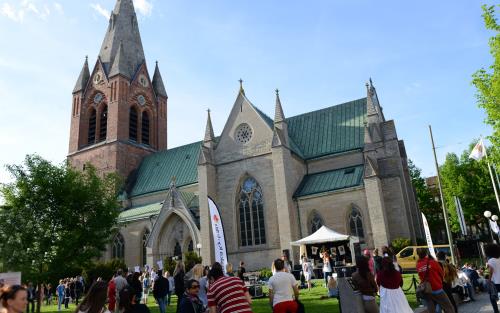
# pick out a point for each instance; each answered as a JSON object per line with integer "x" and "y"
{"x": 145, "y": 128}
{"x": 132, "y": 125}
{"x": 118, "y": 250}
{"x": 315, "y": 222}
{"x": 356, "y": 223}
{"x": 92, "y": 126}
{"x": 103, "y": 123}
{"x": 251, "y": 213}
{"x": 144, "y": 246}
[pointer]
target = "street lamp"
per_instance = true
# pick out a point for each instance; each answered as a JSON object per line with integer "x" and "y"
{"x": 198, "y": 246}
{"x": 490, "y": 218}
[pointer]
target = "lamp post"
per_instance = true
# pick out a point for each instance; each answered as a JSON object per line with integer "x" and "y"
{"x": 491, "y": 218}
{"x": 198, "y": 246}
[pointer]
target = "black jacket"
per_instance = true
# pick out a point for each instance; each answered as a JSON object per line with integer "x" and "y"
{"x": 179, "y": 283}
{"x": 161, "y": 287}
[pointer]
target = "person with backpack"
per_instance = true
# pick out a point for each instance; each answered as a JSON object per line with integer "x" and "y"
{"x": 431, "y": 273}
{"x": 146, "y": 285}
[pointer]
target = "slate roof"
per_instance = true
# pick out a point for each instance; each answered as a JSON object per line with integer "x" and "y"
{"x": 331, "y": 130}
{"x": 330, "y": 181}
{"x": 156, "y": 170}
{"x": 140, "y": 212}
{"x": 158, "y": 85}
{"x": 83, "y": 78}
{"x": 123, "y": 30}
{"x": 315, "y": 134}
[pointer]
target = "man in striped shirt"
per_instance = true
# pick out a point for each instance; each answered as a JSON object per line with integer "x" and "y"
{"x": 227, "y": 294}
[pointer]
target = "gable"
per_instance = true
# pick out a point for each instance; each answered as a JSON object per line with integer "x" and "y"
{"x": 157, "y": 170}
{"x": 331, "y": 130}
{"x": 244, "y": 114}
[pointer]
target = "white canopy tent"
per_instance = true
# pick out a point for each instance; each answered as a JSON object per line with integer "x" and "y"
{"x": 325, "y": 235}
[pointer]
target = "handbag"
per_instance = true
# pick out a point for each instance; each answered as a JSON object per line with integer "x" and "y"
{"x": 424, "y": 288}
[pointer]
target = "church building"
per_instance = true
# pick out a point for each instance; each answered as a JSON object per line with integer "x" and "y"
{"x": 275, "y": 180}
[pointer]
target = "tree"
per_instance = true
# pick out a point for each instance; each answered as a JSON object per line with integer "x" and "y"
{"x": 487, "y": 83}
{"x": 469, "y": 180}
{"x": 55, "y": 219}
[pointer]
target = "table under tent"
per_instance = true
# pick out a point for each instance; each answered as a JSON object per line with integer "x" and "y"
{"x": 342, "y": 249}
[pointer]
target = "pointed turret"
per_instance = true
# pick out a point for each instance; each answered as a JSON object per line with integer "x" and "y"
{"x": 209, "y": 131}
{"x": 278, "y": 111}
{"x": 123, "y": 34}
{"x": 119, "y": 66}
{"x": 373, "y": 110}
{"x": 83, "y": 79}
{"x": 158, "y": 86}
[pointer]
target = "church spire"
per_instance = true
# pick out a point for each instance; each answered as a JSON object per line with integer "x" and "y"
{"x": 158, "y": 86}
{"x": 209, "y": 131}
{"x": 83, "y": 79}
{"x": 123, "y": 34}
{"x": 279, "y": 116}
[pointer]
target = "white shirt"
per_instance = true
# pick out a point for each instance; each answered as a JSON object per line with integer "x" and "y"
{"x": 282, "y": 284}
{"x": 495, "y": 264}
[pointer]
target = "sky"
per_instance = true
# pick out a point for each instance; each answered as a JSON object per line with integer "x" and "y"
{"x": 420, "y": 55}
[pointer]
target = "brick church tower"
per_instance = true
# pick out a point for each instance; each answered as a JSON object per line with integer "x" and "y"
{"x": 119, "y": 114}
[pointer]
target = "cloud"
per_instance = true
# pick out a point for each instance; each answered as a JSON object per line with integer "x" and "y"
{"x": 58, "y": 7}
{"x": 18, "y": 13}
{"x": 144, "y": 7}
{"x": 10, "y": 12}
{"x": 99, "y": 9}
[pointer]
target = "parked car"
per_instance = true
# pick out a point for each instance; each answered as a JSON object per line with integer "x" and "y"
{"x": 407, "y": 258}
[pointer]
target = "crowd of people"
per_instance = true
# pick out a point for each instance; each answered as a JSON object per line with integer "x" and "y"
{"x": 216, "y": 290}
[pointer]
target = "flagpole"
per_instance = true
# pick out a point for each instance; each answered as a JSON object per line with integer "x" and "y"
{"x": 445, "y": 212}
{"x": 492, "y": 178}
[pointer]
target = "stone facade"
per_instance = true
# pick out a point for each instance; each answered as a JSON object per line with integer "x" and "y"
{"x": 356, "y": 188}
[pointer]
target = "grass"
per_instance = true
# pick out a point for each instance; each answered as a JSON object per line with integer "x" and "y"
{"x": 310, "y": 299}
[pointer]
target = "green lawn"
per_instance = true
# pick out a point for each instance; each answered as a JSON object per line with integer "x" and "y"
{"x": 310, "y": 299}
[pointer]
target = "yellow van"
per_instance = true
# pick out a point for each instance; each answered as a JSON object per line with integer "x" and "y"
{"x": 407, "y": 258}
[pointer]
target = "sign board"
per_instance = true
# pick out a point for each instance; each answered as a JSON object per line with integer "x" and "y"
{"x": 12, "y": 278}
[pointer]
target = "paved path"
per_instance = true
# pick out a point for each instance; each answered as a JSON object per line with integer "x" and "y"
{"x": 481, "y": 305}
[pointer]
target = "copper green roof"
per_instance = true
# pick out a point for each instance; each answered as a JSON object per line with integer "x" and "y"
{"x": 156, "y": 170}
{"x": 331, "y": 130}
{"x": 330, "y": 181}
{"x": 140, "y": 212}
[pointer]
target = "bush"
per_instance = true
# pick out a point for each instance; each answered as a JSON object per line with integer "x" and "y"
{"x": 400, "y": 243}
{"x": 169, "y": 265}
{"x": 265, "y": 274}
{"x": 105, "y": 270}
{"x": 191, "y": 258}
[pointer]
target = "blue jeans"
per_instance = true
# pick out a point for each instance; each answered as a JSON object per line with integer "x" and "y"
{"x": 60, "y": 300}
{"x": 169, "y": 295}
{"x": 161, "y": 304}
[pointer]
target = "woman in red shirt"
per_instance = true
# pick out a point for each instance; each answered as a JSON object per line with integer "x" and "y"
{"x": 390, "y": 281}
{"x": 429, "y": 270}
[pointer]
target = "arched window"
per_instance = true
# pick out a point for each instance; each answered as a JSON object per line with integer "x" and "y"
{"x": 145, "y": 128}
{"x": 177, "y": 250}
{"x": 119, "y": 247}
{"x": 315, "y": 222}
{"x": 251, "y": 207}
{"x": 103, "y": 124}
{"x": 92, "y": 126}
{"x": 132, "y": 126}
{"x": 356, "y": 223}
{"x": 144, "y": 243}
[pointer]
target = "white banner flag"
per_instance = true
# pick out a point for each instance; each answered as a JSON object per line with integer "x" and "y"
{"x": 460, "y": 215}
{"x": 494, "y": 227}
{"x": 218, "y": 235}
{"x": 428, "y": 237}
{"x": 478, "y": 152}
